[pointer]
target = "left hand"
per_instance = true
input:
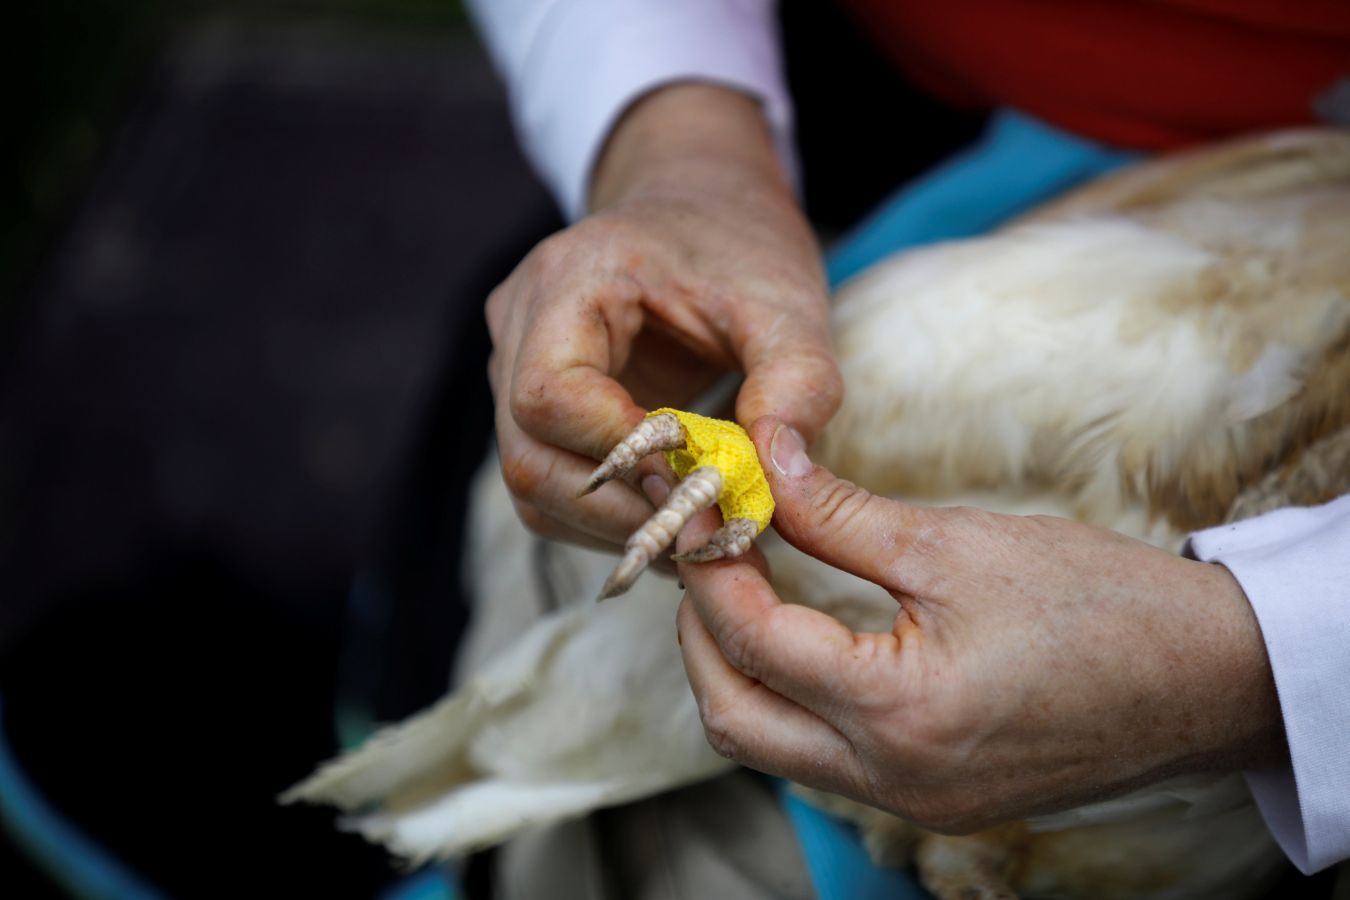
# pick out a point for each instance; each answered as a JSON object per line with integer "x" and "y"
{"x": 695, "y": 260}
{"x": 1035, "y": 663}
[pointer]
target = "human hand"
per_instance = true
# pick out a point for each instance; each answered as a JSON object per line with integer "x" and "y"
{"x": 1035, "y": 663}
{"x": 695, "y": 261}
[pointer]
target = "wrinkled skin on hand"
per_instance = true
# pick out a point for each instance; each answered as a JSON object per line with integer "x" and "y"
{"x": 1035, "y": 663}
{"x": 696, "y": 261}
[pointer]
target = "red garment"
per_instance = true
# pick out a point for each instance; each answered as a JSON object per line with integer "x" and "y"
{"x": 1150, "y": 74}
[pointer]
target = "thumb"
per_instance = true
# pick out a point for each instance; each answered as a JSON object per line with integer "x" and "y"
{"x": 829, "y": 518}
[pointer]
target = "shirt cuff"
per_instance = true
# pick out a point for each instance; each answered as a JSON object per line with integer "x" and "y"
{"x": 585, "y": 61}
{"x": 1294, "y": 565}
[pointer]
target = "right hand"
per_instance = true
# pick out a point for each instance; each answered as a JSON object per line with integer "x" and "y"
{"x": 1034, "y": 664}
{"x": 696, "y": 260}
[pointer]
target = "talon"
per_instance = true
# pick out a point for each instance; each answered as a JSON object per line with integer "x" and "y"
{"x": 690, "y": 497}
{"x": 656, "y": 432}
{"x": 727, "y": 542}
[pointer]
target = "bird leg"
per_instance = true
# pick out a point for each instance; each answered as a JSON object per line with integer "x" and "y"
{"x": 654, "y": 433}
{"x": 697, "y": 492}
{"x": 727, "y": 542}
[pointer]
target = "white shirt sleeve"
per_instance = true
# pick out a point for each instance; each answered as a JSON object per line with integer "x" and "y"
{"x": 1294, "y": 565}
{"x": 573, "y": 66}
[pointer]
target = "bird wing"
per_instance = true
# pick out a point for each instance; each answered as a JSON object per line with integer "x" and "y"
{"x": 588, "y": 707}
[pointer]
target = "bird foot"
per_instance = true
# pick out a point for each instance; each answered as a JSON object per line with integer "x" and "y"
{"x": 718, "y": 465}
{"x": 727, "y": 542}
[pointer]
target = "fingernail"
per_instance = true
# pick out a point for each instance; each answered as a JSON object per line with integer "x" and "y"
{"x": 656, "y": 489}
{"x": 788, "y": 452}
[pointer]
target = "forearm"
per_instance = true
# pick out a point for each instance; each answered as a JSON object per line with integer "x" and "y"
{"x": 574, "y": 67}
{"x": 688, "y": 135}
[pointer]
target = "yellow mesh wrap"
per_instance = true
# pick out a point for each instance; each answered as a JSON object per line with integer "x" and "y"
{"x": 715, "y": 442}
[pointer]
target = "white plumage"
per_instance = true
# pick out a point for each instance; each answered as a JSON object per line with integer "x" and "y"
{"x": 1136, "y": 356}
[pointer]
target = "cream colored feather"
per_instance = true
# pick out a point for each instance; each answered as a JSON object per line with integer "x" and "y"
{"x": 1136, "y": 355}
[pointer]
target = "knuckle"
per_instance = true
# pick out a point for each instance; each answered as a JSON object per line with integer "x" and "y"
{"x": 524, "y": 473}
{"x": 719, "y": 729}
{"x": 540, "y": 264}
{"x": 739, "y": 647}
{"x": 826, "y": 379}
{"x": 939, "y": 544}
{"x": 606, "y": 230}
{"x": 557, "y": 251}
{"x": 533, "y": 520}
{"x": 550, "y": 249}
{"x": 828, "y": 386}
{"x": 838, "y": 503}
{"x": 531, "y": 404}
{"x": 817, "y": 391}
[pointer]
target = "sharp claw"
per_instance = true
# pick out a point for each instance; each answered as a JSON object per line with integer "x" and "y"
{"x": 727, "y": 542}
{"x": 591, "y": 484}
{"x": 697, "y": 492}
{"x": 623, "y": 577}
{"x": 707, "y": 553}
{"x": 654, "y": 433}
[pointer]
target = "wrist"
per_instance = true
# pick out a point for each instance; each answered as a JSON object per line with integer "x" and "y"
{"x": 1248, "y": 731}
{"x": 687, "y": 136}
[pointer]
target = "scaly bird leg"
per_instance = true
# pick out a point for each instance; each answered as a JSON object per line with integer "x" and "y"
{"x": 727, "y": 542}
{"x": 697, "y": 492}
{"x": 653, "y": 434}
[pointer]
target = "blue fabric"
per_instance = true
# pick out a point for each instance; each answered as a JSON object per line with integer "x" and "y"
{"x": 431, "y": 883}
{"x": 839, "y": 866}
{"x": 1018, "y": 163}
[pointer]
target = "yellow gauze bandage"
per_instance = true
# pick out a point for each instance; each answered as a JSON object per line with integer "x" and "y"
{"x": 716, "y": 442}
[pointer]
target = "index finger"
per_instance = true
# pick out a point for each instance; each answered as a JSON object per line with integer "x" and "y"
{"x": 562, "y": 390}
{"x": 795, "y": 651}
{"x": 746, "y": 721}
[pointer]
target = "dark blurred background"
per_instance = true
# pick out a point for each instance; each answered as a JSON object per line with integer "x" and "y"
{"x": 243, "y": 252}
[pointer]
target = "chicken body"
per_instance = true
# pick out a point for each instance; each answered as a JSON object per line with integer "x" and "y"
{"x": 1150, "y": 354}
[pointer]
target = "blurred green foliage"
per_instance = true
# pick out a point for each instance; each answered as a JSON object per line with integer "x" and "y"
{"x": 76, "y": 65}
